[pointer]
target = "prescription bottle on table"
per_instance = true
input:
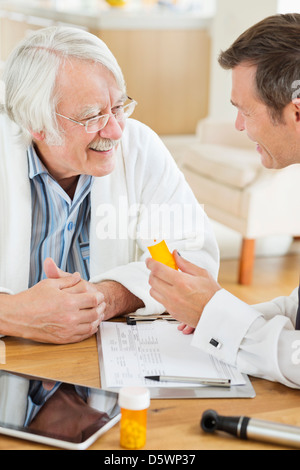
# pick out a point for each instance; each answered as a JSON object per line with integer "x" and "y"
{"x": 134, "y": 402}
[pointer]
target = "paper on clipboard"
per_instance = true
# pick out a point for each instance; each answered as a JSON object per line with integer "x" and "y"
{"x": 128, "y": 353}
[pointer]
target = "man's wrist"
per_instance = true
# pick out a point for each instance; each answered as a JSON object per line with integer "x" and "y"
{"x": 6, "y": 313}
{"x": 119, "y": 300}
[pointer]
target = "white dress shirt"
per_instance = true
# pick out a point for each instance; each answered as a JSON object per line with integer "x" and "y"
{"x": 259, "y": 340}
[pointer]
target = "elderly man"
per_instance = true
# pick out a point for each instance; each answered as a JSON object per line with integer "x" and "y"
{"x": 80, "y": 186}
{"x": 264, "y": 340}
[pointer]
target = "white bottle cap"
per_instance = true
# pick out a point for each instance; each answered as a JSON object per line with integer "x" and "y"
{"x": 134, "y": 398}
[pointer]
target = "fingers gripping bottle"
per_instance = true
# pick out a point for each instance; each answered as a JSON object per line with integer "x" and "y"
{"x": 133, "y": 402}
{"x": 160, "y": 252}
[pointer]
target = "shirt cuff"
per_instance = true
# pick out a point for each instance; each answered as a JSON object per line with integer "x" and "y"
{"x": 3, "y": 290}
{"x": 223, "y": 325}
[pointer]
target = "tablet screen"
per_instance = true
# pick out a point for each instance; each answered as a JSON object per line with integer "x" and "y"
{"x": 60, "y": 414}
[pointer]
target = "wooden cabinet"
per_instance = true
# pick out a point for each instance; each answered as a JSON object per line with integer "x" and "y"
{"x": 167, "y": 72}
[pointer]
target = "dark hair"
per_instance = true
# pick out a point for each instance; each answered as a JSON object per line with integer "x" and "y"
{"x": 273, "y": 45}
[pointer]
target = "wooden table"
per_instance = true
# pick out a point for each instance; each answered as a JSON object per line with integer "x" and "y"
{"x": 172, "y": 424}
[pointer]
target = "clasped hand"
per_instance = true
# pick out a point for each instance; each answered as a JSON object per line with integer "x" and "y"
{"x": 60, "y": 309}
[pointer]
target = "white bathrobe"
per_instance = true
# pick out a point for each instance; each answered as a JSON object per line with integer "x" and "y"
{"x": 145, "y": 178}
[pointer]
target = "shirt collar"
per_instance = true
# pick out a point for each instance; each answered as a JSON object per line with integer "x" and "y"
{"x": 36, "y": 167}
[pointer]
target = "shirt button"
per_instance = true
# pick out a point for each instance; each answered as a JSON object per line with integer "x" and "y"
{"x": 70, "y": 226}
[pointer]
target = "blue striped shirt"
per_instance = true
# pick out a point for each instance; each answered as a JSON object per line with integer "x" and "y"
{"x": 60, "y": 225}
{"x": 60, "y": 230}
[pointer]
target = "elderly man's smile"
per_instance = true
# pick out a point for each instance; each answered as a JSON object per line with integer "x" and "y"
{"x": 103, "y": 145}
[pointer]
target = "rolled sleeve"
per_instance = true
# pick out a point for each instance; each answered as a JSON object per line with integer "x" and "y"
{"x": 134, "y": 277}
{"x": 223, "y": 325}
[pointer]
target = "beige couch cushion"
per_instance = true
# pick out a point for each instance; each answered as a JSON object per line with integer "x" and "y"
{"x": 230, "y": 166}
{"x": 212, "y": 193}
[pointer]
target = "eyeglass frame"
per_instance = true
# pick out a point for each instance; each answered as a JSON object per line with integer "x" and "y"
{"x": 97, "y": 117}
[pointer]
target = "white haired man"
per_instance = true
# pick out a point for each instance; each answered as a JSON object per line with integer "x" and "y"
{"x": 78, "y": 182}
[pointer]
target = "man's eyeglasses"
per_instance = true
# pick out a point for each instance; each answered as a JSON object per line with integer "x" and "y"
{"x": 97, "y": 123}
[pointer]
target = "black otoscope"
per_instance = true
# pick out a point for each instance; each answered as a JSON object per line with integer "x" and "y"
{"x": 248, "y": 428}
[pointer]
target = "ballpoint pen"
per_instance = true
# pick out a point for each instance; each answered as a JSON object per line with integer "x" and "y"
{"x": 132, "y": 319}
{"x": 226, "y": 383}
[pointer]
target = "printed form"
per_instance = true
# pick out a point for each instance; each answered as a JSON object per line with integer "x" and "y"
{"x": 131, "y": 352}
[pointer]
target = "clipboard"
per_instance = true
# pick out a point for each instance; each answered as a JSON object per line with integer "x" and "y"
{"x": 118, "y": 341}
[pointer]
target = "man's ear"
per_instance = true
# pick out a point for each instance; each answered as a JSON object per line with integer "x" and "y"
{"x": 296, "y": 109}
{"x": 38, "y": 135}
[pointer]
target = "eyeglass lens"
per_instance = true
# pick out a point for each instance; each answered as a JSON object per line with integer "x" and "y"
{"x": 121, "y": 114}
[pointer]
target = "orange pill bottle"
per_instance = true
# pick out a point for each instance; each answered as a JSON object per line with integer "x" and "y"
{"x": 134, "y": 402}
{"x": 160, "y": 252}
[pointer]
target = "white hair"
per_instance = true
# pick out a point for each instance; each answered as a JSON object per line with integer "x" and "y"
{"x": 31, "y": 71}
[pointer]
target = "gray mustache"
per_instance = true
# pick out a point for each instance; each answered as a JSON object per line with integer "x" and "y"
{"x": 104, "y": 144}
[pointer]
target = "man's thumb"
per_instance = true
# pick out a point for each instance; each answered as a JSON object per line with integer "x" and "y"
{"x": 52, "y": 271}
{"x": 69, "y": 280}
{"x": 186, "y": 266}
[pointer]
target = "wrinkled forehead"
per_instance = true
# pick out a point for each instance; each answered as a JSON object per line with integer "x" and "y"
{"x": 84, "y": 86}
